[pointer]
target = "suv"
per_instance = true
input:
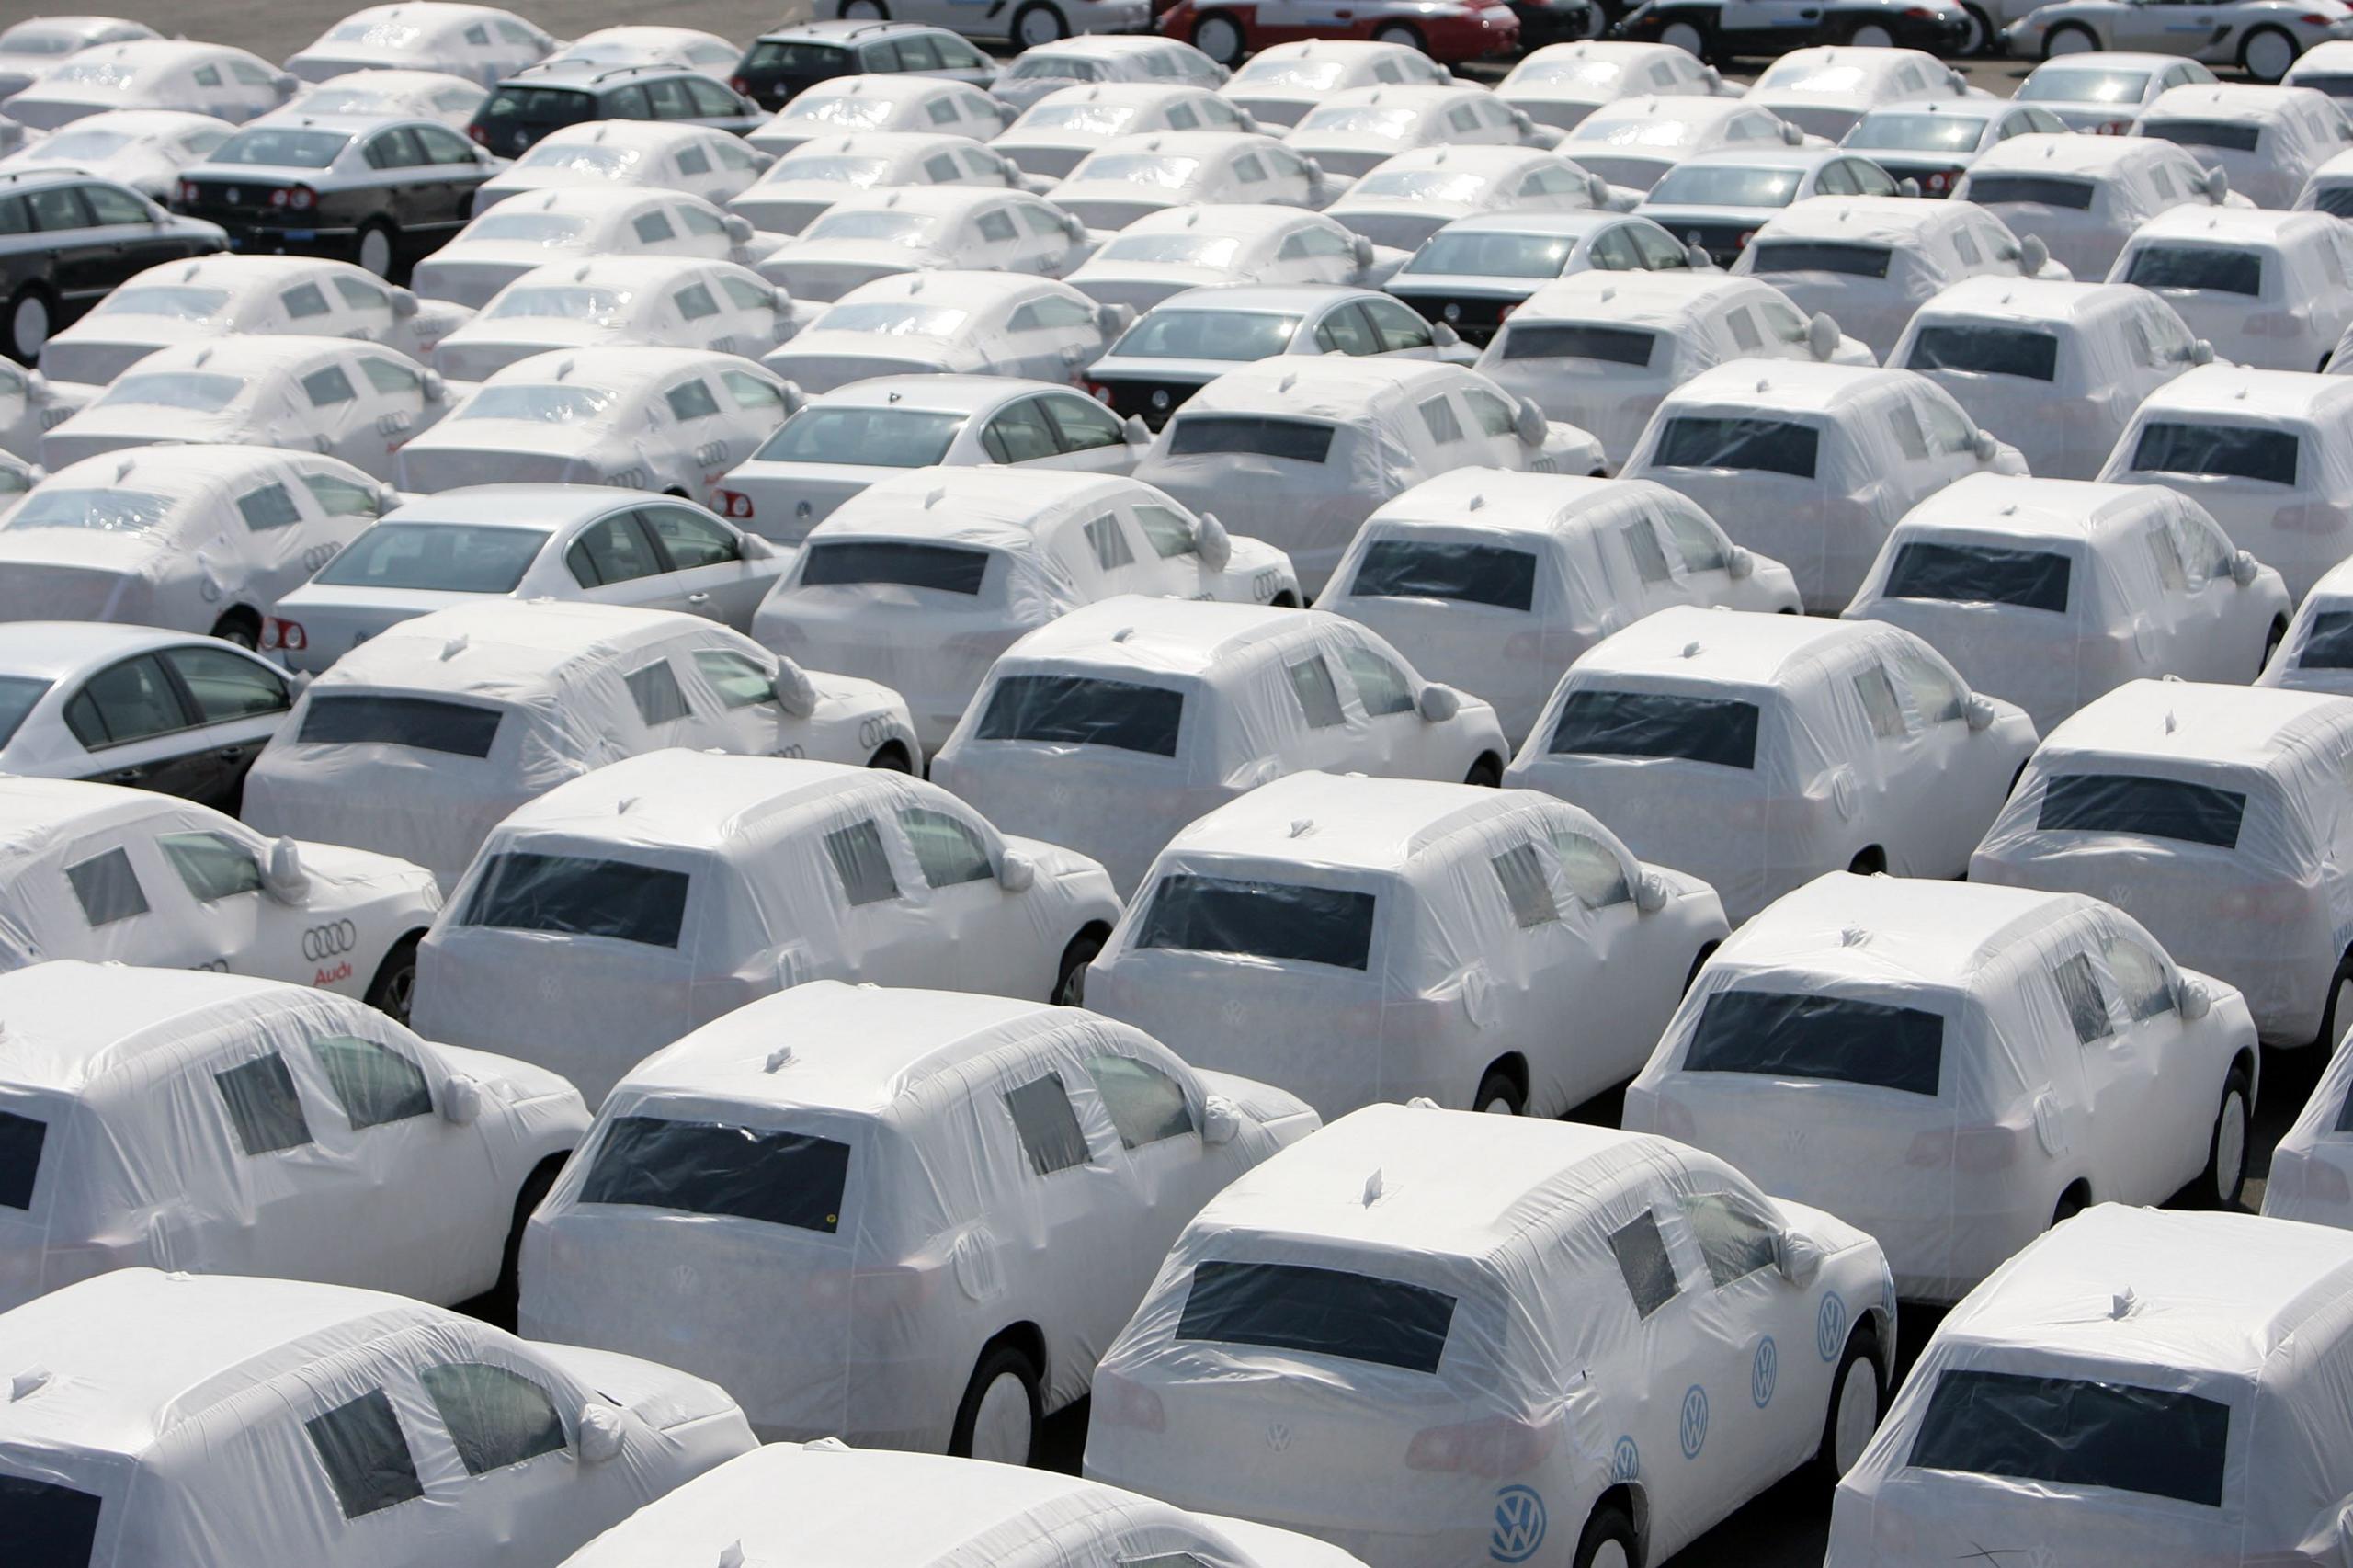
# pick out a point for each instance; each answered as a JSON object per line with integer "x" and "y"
{"x": 540, "y": 99}
{"x": 792, "y": 60}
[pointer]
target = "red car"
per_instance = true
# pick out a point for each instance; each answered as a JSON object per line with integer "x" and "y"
{"x": 1447, "y": 30}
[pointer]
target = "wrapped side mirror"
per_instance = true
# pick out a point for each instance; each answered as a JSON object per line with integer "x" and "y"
{"x": 600, "y": 1434}
{"x": 1443, "y": 335}
{"x": 1740, "y": 564}
{"x": 1822, "y": 336}
{"x": 1798, "y": 1257}
{"x": 1979, "y": 710}
{"x": 1437, "y": 703}
{"x": 1213, "y": 543}
{"x": 404, "y": 303}
{"x": 795, "y": 692}
{"x": 461, "y": 1101}
{"x": 432, "y": 387}
{"x": 1015, "y": 872}
{"x": 1650, "y": 893}
{"x": 2245, "y": 568}
{"x": 739, "y": 229}
{"x": 283, "y": 877}
{"x": 2033, "y": 255}
{"x": 1528, "y": 423}
{"x": 1984, "y": 445}
{"x": 1361, "y": 248}
{"x": 1221, "y": 1120}
{"x": 2195, "y": 1000}
{"x": 2200, "y": 352}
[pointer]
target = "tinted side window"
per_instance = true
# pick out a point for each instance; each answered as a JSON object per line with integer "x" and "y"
{"x": 1735, "y": 1242}
{"x": 1319, "y": 699}
{"x": 226, "y": 686}
{"x": 655, "y": 691}
{"x": 1520, "y": 871}
{"x": 20, "y": 1144}
{"x": 496, "y": 1417}
{"x": 612, "y": 550}
{"x": 1146, "y": 1105}
{"x": 211, "y": 866}
{"x": 128, "y": 701}
{"x": 264, "y": 1110}
{"x": 948, "y": 851}
{"x": 366, "y": 1455}
{"x": 861, "y": 863}
{"x": 1048, "y": 1128}
{"x": 48, "y": 1524}
{"x": 1643, "y": 1262}
{"x": 2087, "y": 1004}
{"x": 108, "y": 887}
{"x": 375, "y": 1085}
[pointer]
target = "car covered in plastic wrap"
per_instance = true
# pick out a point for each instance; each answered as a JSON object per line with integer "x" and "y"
{"x": 577, "y": 223}
{"x": 1406, "y": 200}
{"x": 1279, "y": 83}
{"x": 2316, "y": 654}
{"x": 925, "y": 229}
{"x": 629, "y": 302}
{"x": 1935, "y": 142}
{"x": 2085, "y": 196}
{"x": 1560, "y": 83}
{"x": 389, "y": 90}
{"x": 1135, "y": 177}
{"x": 806, "y": 183}
{"x": 951, "y": 323}
{"x": 1957, "y": 1067}
{"x": 1109, "y": 60}
{"x": 142, "y": 148}
{"x": 1164, "y": 254}
{"x": 17, "y": 479}
{"x": 1759, "y": 751}
{"x": 873, "y": 103}
{"x": 645, "y": 153}
{"x": 1635, "y": 142}
{"x": 2269, "y": 290}
{"x": 1351, "y": 132}
{"x": 1827, "y": 89}
{"x": 2267, "y": 141}
{"x": 1475, "y": 272}
{"x": 480, "y": 43}
{"x": 1718, "y": 201}
{"x": 1062, "y": 127}
{"x": 152, "y": 74}
{"x": 31, "y": 48}
{"x": 2107, "y": 95}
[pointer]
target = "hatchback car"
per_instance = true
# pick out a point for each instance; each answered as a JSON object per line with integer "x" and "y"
{"x": 635, "y": 301}
{"x": 2085, "y": 196}
{"x": 1279, "y": 83}
{"x": 806, "y": 183}
{"x": 2268, "y": 140}
{"x": 782, "y": 64}
{"x": 2262, "y": 38}
{"x": 66, "y": 240}
{"x": 653, "y": 154}
{"x": 527, "y": 107}
{"x": 1825, "y": 90}
{"x": 1104, "y": 59}
{"x": 1135, "y": 177}
{"x": 1635, "y": 141}
{"x": 867, "y": 235}
{"x": 872, "y": 104}
{"x": 1560, "y": 83}
{"x": 2107, "y": 95}
{"x": 2269, "y": 290}
{"x": 1934, "y": 141}
{"x": 482, "y": 42}
{"x": 1350, "y": 131}
{"x": 2316, "y": 654}
{"x": 1475, "y": 272}
{"x": 152, "y": 73}
{"x": 991, "y": 323}
{"x": 1164, "y": 253}
{"x": 1719, "y": 200}
{"x": 142, "y": 148}
{"x": 577, "y": 223}
{"x": 1062, "y": 127}
{"x": 532, "y": 543}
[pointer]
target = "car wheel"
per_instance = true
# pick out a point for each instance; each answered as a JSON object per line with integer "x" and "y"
{"x": 2266, "y": 54}
{"x": 2069, "y": 37}
{"x": 1608, "y": 1541}
{"x": 865, "y": 11}
{"x": 2340, "y": 1007}
{"x": 374, "y": 251}
{"x": 508, "y": 1292}
{"x": 240, "y": 626}
{"x": 1002, "y": 1411}
{"x": 395, "y": 988}
{"x": 1854, "y": 1397}
{"x": 1037, "y": 25}
{"x": 1686, "y": 36}
{"x": 1981, "y": 31}
{"x": 1870, "y": 35}
{"x": 2225, "y": 1175}
{"x": 1500, "y": 1095}
{"x": 1221, "y": 39}
{"x": 1070, "y": 978}
{"x": 27, "y": 324}
{"x": 891, "y": 758}
{"x": 2072, "y": 1202}
{"x": 1400, "y": 32}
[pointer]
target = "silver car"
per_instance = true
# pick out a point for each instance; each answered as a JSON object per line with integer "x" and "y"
{"x": 994, "y": 323}
{"x": 1091, "y": 62}
{"x": 671, "y": 302}
{"x": 927, "y": 227}
{"x": 2262, "y": 38}
{"x": 2106, "y": 95}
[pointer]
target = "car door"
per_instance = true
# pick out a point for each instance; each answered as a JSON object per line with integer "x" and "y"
{"x": 393, "y": 404}
{"x": 1408, "y": 745}
{"x": 1343, "y": 329}
{"x": 1766, "y": 27}
{"x": 881, "y": 902}
{"x": 1090, "y": 437}
{"x": 139, "y": 730}
{"x": 2162, "y": 26}
{"x": 1704, "y": 551}
{"x": 1657, "y": 575}
{"x": 239, "y": 703}
{"x": 133, "y": 234}
{"x": 703, "y": 559}
{"x": 2173, "y": 1151}
{"x": 1159, "y": 1130}
{"x": 82, "y": 262}
{"x": 454, "y": 170}
{"x": 496, "y": 1444}
{"x": 2213, "y": 625}
{"x": 1047, "y": 334}
{"x": 2120, "y": 1066}
{"x": 990, "y": 241}
{"x": 703, "y": 438}
{"x": 615, "y": 562}
{"x": 1766, "y": 1359}
{"x": 397, "y": 171}
{"x": 1947, "y": 762}
{"x": 990, "y": 943}
{"x": 341, "y": 423}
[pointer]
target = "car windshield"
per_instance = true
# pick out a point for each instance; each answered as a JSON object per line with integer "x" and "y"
{"x": 2224, "y": 270}
{"x": 1093, "y": 119}
{"x": 1362, "y": 119}
{"x": 2084, "y": 84}
{"x": 2233, "y": 451}
{"x": 719, "y": 1169}
{"x": 1719, "y": 729}
{"x": 110, "y": 511}
{"x": 333, "y": 99}
{"x": 1238, "y": 336}
{"x": 833, "y": 168}
{"x": 907, "y": 228}
{"x": 2071, "y": 1432}
{"x": 1917, "y": 133}
{"x": 197, "y": 392}
{"x": 17, "y": 695}
{"x": 1173, "y": 250}
{"x": 1313, "y": 75}
{"x": 1140, "y": 168}
{"x": 1260, "y": 919}
{"x": 1055, "y": 68}
{"x": 68, "y": 145}
{"x": 1082, "y": 710}
{"x": 878, "y": 438}
{"x": 60, "y": 1521}
{"x": 1479, "y": 255}
{"x": 1837, "y": 1040}
{"x": 441, "y": 558}
{"x": 601, "y": 307}
{"x": 281, "y": 147}
{"x": 841, "y": 108}
{"x": 527, "y": 227}
{"x": 115, "y": 74}
{"x": 1812, "y": 76}
{"x": 610, "y": 161}
{"x": 1726, "y": 185}
{"x": 179, "y": 301}
{"x": 1419, "y": 185}
{"x": 894, "y": 320}
{"x": 545, "y": 404}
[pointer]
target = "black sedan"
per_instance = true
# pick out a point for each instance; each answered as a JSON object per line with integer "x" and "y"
{"x": 66, "y": 239}
{"x": 379, "y": 191}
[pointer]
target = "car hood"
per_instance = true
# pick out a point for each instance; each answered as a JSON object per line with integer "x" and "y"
{"x": 349, "y": 871}
{"x": 661, "y": 1396}
{"x": 99, "y": 548}
{"x": 514, "y": 435}
{"x": 509, "y": 1079}
{"x": 95, "y": 350}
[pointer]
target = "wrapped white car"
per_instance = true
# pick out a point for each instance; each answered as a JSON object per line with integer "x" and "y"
{"x": 2312, "y": 1170}
{"x": 142, "y": 148}
{"x": 1954, "y": 1068}
{"x": 628, "y": 301}
{"x": 575, "y": 223}
{"x": 197, "y": 537}
{"x": 1495, "y": 582}
{"x": 2083, "y": 196}
{"x": 2215, "y": 815}
{"x": 2139, "y": 1387}
{"x": 801, "y": 186}
{"x": 397, "y": 93}
{"x": 2049, "y": 591}
{"x": 976, "y": 324}
{"x": 1298, "y": 452}
{"x": 921, "y": 582}
{"x": 1600, "y": 349}
{"x": 482, "y": 43}
{"x": 2055, "y": 369}
{"x": 1476, "y": 273}
{"x": 1561, "y": 83}
{"x": 1137, "y": 176}
{"x": 1813, "y": 464}
{"x": 2267, "y": 453}
{"x": 1873, "y": 260}
{"x": 2270, "y": 289}
{"x": 219, "y": 1125}
{"x": 1759, "y": 751}
{"x": 17, "y": 479}
{"x": 785, "y": 1499}
{"x": 26, "y": 405}
{"x": 1487, "y": 1337}
{"x": 1445, "y": 932}
{"x": 1824, "y": 90}
{"x": 1164, "y": 254}
{"x": 1112, "y": 727}
{"x": 643, "y": 153}
{"x": 624, "y": 910}
{"x": 278, "y": 1424}
{"x": 2267, "y": 140}
{"x": 671, "y": 420}
{"x": 925, "y": 228}
{"x": 2316, "y": 654}
{"x": 1349, "y": 131}
{"x": 153, "y": 74}
{"x": 1635, "y": 141}
{"x": 1281, "y": 84}
{"x": 1061, "y": 126}
{"x": 882, "y": 102}
{"x": 1106, "y": 58}
{"x": 424, "y": 737}
{"x": 1020, "y": 1171}
{"x": 1404, "y": 199}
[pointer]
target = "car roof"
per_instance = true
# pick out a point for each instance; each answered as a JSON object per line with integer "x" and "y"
{"x": 2040, "y": 152}
{"x": 44, "y": 175}
{"x": 1423, "y": 96}
{"x": 1165, "y": 636}
{"x": 985, "y": 506}
{"x": 641, "y": 132}
{"x": 1692, "y": 108}
{"x": 2035, "y": 299}
{"x": 892, "y": 85}
{"x": 1670, "y": 297}
{"x": 1332, "y": 386}
{"x": 1914, "y": 932}
{"x": 1877, "y": 220}
{"x": 1772, "y": 155}
{"x": 953, "y": 286}
{"x": 593, "y": 73}
{"x": 623, "y": 266}
{"x": 843, "y": 29}
{"x": 2046, "y": 510}
{"x": 1482, "y": 158}
{"x": 137, "y": 122}
{"x": 177, "y": 467}
{"x": 938, "y": 395}
{"x": 56, "y": 650}
{"x": 1141, "y": 94}
{"x": 1747, "y": 648}
{"x": 37, "y": 813}
{"x": 2242, "y": 392}
{"x": 232, "y": 270}
{"x": 2123, "y": 60}
{"x": 1980, "y": 109}
{"x": 349, "y": 124}
{"x": 1269, "y": 297}
{"x": 1575, "y": 223}
{"x": 1350, "y": 821}
{"x": 2233, "y": 100}
{"x": 1787, "y": 386}
{"x": 139, "y": 51}
{"x": 1533, "y": 507}
{"x": 523, "y": 648}
{"x": 626, "y": 365}
{"x": 254, "y": 353}
{"x": 2256, "y": 727}
{"x": 2237, "y": 225}
{"x": 1109, "y": 44}
{"x": 938, "y": 201}
{"x": 696, "y": 800}
{"x": 549, "y": 508}
{"x": 1225, "y": 218}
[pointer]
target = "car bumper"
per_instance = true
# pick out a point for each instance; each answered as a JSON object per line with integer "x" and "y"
{"x": 1540, "y": 24}
{"x": 252, "y": 239}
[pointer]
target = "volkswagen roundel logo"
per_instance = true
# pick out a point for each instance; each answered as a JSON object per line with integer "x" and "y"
{"x": 1454, "y": 313}
{"x": 325, "y": 941}
{"x": 1764, "y": 1372}
{"x": 232, "y": 193}
{"x": 1625, "y": 1461}
{"x": 1278, "y": 1436}
{"x": 1519, "y": 1525}
{"x": 1830, "y": 1327}
{"x": 1160, "y": 398}
{"x": 1693, "y": 1427}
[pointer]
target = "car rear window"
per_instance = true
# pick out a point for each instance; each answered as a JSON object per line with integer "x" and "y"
{"x": 2196, "y": 266}
{"x": 457, "y": 728}
{"x": 1326, "y": 1311}
{"x": 710, "y": 1167}
{"x": 1767, "y": 446}
{"x": 441, "y": 558}
{"x": 1820, "y": 255}
{"x": 18, "y": 695}
{"x": 538, "y": 106}
{"x": 2042, "y": 189}
{"x": 579, "y": 895}
{"x": 1835, "y": 1040}
{"x": 46, "y": 1525}
{"x": 2220, "y": 133}
{"x": 2143, "y": 808}
{"x": 1986, "y": 351}
{"x": 1573, "y": 340}
{"x": 1296, "y": 440}
{"x": 950, "y": 569}
{"x": 1428, "y": 569}
{"x": 2232, "y": 451}
{"x": 801, "y": 59}
{"x": 1086, "y": 711}
{"x": 1719, "y": 729}
{"x": 1260, "y": 919}
{"x": 2329, "y": 642}
{"x": 2075, "y": 1432}
{"x": 1980, "y": 574}
{"x": 21, "y": 1138}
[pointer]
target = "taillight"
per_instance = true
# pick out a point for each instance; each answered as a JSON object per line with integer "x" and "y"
{"x": 187, "y": 192}
{"x": 301, "y": 198}
{"x": 1940, "y": 180}
{"x": 741, "y": 84}
{"x": 286, "y": 634}
{"x": 1118, "y": 1402}
{"x": 2114, "y": 128}
{"x": 1746, "y": 235}
{"x": 479, "y": 134}
{"x": 733, "y": 504}
{"x": 1098, "y": 391}
{"x": 1500, "y": 1445}
{"x": 1503, "y": 315}
{"x": 2312, "y": 20}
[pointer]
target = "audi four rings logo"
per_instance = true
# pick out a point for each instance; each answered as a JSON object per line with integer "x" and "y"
{"x": 320, "y": 942}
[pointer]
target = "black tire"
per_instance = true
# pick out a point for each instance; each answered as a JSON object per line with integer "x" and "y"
{"x": 1486, "y": 773}
{"x": 29, "y": 295}
{"x": 1862, "y": 1345}
{"x": 536, "y": 1186}
{"x": 2219, "y": 1187}
{"x": 1868, "y": 861}
{"x": 1037, "y": 7}
{"x": 1400, "y": 32}
{"x": 395, "y": 988}
{"x": 2072, "y": 1202}
{"x": 1070, "y": 978}
{"x": 1698, "y": 28}
{"x": 1985, "y": 31}
{"x": 2330, "y": 1023}
{"x": 1210, "y": 34}
{"x": 1609, "y": 1523}
{"x": 997, "y": 1362}
{"x": 2062, "y": 30}
{"x": 2247, "y": 47}
{"x": 2272, "y": 641}
{"x": 1499, "y": 1088}
{"x": 1284, "y": 600}
{"x": 240, "y": 626}
{"x": 892, "y": 758}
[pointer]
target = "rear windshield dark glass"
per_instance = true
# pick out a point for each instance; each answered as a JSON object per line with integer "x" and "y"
{"x": 2196, "y": 266}
{"x": 1082, "y": 712}
{"x": 2073, "y": 1432}
{"x": 1569, "y": 340}
{"x": 1987, "y": 350}
{"x": 46, "y": 1525}
{"x": 2336, "y": 200}
{"x": 1426, "y": 569}
{"x": 2203, "y": 133}
{"x": 2144, "y": 808}
{"x": 456, "y": 728}
{"x": 579, "y": 896}
{"x": 1816, "y": 256}
{"x": 1980, "y": 574}
{"x": 706, "y": 1167}
{"x": 537, "y": 106}
{"x": 1265, "y": 920}
{"x": 2234, "y": 451}
{"x": 948, "y": 568}
{"x": 801, "y": 59}
{"x": 1720, "y": 729}
{"x": 17, "y": 695}
{"x": 1770, "y": 445}
{"x": 1986, "y": 189}
{"x": 1327, "y": 1312}
{"x": 2334, "y": 86}
{"x": 20, "y": 1142}
{"x": 2328, "y": 643}
{"x": 1833, "y": 1038}
{"x": 1298, "y": 441}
